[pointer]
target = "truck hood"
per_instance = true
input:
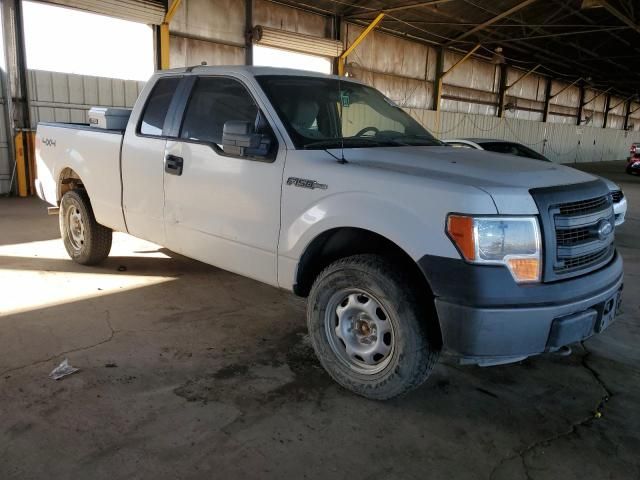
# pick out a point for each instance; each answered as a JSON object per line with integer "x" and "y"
{"x": 505, "y": 177}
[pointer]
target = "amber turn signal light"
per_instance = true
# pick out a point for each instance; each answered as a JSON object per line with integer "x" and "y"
{"x": 525, "y": 269}
{"x": 460, "y": 229}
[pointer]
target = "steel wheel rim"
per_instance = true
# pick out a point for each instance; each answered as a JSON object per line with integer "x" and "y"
{"x": 359, "y": 331}
{"x": 75, "y": 226}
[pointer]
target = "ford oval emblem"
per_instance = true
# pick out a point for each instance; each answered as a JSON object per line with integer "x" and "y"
{"x": 604, "y": 229}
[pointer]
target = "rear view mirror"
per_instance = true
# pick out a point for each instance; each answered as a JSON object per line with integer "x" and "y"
{"x": 239, "y": 138}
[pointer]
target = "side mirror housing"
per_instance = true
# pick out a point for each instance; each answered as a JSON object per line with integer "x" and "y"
{"x": 239, "y": 138}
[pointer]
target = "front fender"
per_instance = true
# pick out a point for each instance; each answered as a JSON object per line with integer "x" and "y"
{"x": 399, "y": 223}
{"x": 392, "y": 220}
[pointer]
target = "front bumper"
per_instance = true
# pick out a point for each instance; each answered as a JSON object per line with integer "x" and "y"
{"x": 489, "y": 319}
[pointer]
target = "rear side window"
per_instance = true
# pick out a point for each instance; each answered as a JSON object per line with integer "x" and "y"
{"x": 156, "y": 109}
{"x": 214, "y": 101}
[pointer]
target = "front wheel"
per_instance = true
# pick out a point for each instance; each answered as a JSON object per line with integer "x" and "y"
{"x": 367, "y": 328}
{"x": 86, "y": 241}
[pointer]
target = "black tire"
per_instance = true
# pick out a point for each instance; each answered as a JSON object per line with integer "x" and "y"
{"x": 94, "y": 243}
{"x": 411, "y": 359}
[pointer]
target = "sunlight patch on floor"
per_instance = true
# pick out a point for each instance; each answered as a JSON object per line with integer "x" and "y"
{"x": 34, "y": 275}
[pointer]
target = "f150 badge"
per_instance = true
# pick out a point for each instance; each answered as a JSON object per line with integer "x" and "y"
{"x": 306, "y": 183}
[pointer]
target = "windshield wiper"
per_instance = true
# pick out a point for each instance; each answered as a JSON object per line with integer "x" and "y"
{"x": 338, "y": 142}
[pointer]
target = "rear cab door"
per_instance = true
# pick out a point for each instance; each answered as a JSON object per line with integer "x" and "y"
{"x": 142, "y": 159}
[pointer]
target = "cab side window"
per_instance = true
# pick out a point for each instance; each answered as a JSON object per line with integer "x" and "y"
{"x": 155, "y": 111}
{"x": 214, "y": 101}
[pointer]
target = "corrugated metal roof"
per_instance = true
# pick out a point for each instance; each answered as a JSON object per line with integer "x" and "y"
{"x": 601, "y": 45}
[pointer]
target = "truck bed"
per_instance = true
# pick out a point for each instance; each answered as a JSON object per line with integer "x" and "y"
{"x": 81, "y": 126}
{"x": 91, "y": 154}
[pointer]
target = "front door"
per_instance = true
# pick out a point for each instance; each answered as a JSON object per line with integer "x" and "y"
{"x": 221, "y": 209}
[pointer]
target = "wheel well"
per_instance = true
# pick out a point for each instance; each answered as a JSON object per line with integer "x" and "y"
{"x": 69, "y": 180}
{"x": 338, "y": 243}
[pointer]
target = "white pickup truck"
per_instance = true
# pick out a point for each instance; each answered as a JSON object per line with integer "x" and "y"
{"x": 323, "y": 186}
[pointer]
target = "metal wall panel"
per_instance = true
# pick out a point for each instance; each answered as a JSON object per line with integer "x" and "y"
{"x": 531, "y": 87}
{"x": 6, "y": 164}
{"x": 188, "y": 51}
{"x": 63, "y": 97}
{"x": 406, "y": 92}
{"x": 216, "y": 20}
{"x": 568, "y": 97}
{"x": 473, "y": 73}
{"x": 383, "y": 53}
{"x": 279, "y": 16}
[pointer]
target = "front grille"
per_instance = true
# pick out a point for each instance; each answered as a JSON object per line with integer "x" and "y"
{"x": 617, "y": 195}
{"x": 584, "y": 207}
{"x": 573, "y": 222}
{"x": 572, "y": 236}
{"x": 578, "y": 241}
{"x": 582, "y": 261}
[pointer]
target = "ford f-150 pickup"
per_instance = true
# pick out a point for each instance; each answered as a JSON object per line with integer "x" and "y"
{"x": 322, "y": 186}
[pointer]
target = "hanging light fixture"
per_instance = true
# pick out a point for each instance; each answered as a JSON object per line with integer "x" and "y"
{"x": 498, "y": 57}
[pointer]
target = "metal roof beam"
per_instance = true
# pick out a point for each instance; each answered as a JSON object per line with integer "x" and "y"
{"x": 403, "y": 7}
{"x": 493, "y": 20}
{"x": 563, "y": 5}
{"x": 619, "y": 15}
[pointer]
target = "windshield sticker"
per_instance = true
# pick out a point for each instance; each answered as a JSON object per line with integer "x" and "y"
{"x": 345, "y": 99}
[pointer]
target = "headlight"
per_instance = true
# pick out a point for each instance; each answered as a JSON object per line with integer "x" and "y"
{"x": 510, "y": 241}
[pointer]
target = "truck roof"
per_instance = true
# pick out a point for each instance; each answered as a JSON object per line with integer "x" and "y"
{"x": 249, "y": 70}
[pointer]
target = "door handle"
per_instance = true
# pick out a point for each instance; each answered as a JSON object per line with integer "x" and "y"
{"x": 173, "y": 165}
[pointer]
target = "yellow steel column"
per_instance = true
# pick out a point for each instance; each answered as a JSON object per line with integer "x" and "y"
{"x": 21, "y": 165}
{"x": 164, "y": 34}
{"x": 343, "y": 58}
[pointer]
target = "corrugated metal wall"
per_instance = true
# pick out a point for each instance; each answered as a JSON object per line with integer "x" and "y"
{"x": 64, "y": 97}
{"x": 6, "y": 164}
{"x": 211, "y": 31}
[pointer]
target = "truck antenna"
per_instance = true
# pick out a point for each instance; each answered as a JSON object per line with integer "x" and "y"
{"x": 341, "y": 160}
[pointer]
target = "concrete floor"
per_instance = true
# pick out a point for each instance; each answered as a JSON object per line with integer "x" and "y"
{"x": 187, "y": 371}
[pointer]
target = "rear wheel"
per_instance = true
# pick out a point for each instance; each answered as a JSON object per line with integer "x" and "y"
{"x": 86, "y": 241}
{"x": 368, "y": 329}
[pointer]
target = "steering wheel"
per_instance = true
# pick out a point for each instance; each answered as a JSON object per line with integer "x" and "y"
{"x": 366, "y": 130}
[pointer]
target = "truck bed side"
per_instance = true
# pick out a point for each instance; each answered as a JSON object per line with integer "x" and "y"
{"x": 65, "y": 151}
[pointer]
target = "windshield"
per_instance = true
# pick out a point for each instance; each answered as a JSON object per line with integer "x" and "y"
{"x": 325, "y": 113}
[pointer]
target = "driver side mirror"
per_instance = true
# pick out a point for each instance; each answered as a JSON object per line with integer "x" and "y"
{"x": 240, "y": 138}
